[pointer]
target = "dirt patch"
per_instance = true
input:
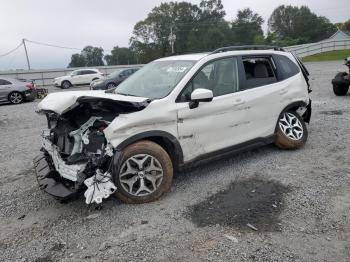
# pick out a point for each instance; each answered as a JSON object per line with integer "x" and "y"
{"x": 253, "y": 201}
{"x": 332, "y": 112}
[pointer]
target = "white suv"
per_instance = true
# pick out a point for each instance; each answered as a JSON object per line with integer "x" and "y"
{"x": 78, "y": 77}
{"x": 174, "y": 112}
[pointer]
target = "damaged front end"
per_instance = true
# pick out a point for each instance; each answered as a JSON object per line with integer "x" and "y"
{"x": 75, "y": 154}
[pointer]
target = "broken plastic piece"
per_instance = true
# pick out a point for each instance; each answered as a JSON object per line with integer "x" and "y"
{"x": 99, "y": 186}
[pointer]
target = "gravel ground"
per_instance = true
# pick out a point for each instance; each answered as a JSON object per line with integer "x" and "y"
{"x": 297, "y": 203}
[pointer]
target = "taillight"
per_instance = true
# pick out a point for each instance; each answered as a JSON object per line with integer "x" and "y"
{"x": 30, "y": 86}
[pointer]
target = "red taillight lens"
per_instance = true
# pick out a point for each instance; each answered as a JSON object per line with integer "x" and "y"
{"x": 30, "y": 86}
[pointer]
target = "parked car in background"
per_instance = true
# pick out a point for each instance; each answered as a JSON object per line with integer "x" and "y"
{"x": 16, "y": 91}
{"x": 78, "y": 77}
{"x": 113, "y": 80}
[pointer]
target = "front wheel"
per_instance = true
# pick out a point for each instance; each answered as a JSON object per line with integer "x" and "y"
{"x": 291, "y": 131}
{"x": 111, "y": 85}
{"x": 145, "y": 173}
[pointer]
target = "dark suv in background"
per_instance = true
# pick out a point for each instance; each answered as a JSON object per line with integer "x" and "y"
{"x": 113, "y": 80}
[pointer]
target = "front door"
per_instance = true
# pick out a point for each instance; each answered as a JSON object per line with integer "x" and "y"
{"x": 217, "y": 124}
{"x": 5, "y": 87}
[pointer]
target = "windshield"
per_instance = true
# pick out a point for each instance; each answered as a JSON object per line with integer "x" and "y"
{"x": 156, "y": 80}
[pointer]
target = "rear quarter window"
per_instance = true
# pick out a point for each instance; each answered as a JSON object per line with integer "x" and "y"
{"x": 286, "y": 66}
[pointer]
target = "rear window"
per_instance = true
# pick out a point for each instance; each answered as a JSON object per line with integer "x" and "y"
{"x": 287, "y": 67}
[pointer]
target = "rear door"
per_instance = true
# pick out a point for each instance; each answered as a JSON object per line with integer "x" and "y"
{"x": 89, "y": 75}
{"x": 262, "y": 93}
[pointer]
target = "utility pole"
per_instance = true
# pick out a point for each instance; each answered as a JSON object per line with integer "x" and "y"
{"x": 25, "y": 49}
{"x": 172, "y": 39}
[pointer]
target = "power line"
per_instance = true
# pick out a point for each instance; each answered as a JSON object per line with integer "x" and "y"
{"x": 11, "y": 51}
{"x": 59, "y": 46}
{"x": 51, "y": 45}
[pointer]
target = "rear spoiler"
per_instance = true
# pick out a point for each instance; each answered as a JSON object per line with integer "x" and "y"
{"x": 304, "y": 71}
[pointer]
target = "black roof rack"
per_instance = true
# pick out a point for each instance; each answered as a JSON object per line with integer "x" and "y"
{"x": 247, "y": 47}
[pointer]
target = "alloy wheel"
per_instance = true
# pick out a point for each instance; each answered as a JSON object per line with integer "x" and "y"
{"x": 141, "y": 175}
{"x": 16, "y": 98}
{"x": 291, "y": 126}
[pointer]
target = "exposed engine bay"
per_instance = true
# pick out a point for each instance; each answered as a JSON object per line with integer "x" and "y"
{"x": 75, "y": 153}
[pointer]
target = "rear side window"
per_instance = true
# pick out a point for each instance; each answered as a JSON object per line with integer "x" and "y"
{"x": 287, "y": 67}
{"x": 88, "y": 72}
{"x": 259, "y": 71}
{"x": 4, "y": 82}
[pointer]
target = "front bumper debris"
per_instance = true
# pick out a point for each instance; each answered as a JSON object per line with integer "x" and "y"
{"x": 307, "y": 115}
{"x": 49, "y": 179}
{"x": 99, "y": 186}
{"x": 69, "y": 172}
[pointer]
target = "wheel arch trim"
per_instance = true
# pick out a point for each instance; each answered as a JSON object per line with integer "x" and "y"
{"x": 177, "y": 155}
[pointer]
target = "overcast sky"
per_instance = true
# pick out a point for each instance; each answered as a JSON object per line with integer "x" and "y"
{"x": 104, "y": 23}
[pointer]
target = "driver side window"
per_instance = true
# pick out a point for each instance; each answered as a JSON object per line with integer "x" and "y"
{"x": 220, "y": 76}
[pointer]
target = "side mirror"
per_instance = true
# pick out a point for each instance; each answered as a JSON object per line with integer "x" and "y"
{"x": 200, "y": 95}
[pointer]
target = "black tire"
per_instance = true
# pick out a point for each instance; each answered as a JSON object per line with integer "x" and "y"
{"x": 147, "y": 149}
{"x": 340, "y": 89}
{"x": 66, "y": 84}
{"x": 284, "y": 141}
{"x": 15, "y": 97}
{"x": 111, "y": 85}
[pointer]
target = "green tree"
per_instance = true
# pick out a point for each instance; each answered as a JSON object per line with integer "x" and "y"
{"x": 93, "y": 56}
{"x": 298, "y": 25}
{"x": 77, "y": 60}
{"x": 345, "y": 26}
{"x": 246, "y": 27}
{"x": 120, "y": 56}
{"x": 196, "y": 28}
{"x": 89, "y": 56}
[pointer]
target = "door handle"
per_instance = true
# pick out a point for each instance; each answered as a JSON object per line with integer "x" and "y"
{"x": 238, "y": 102}
{"x": 283, "y": 91}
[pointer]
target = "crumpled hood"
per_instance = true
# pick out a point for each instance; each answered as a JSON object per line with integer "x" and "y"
{"x": 62, "y": 102}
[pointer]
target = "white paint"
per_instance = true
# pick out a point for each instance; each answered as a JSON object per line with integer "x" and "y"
{"x": 61, "y": 102}
{"x": 77, "y": 77}
{"x": 225, "y": 121}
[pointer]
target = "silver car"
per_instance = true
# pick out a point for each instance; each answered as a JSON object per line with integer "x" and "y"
{"x": 16, "y": 91}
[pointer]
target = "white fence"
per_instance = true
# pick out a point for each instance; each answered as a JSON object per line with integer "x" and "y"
{"x": 45, "y": 77}
{"x": 320, "y": 47}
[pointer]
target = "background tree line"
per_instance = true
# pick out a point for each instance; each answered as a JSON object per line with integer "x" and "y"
{"x": 203, "y": 28}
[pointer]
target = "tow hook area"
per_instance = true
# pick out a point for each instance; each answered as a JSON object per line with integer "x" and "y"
{"x": 99, "y": 186}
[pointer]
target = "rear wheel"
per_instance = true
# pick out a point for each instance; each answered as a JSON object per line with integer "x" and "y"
{"x": 146, "y": 173}
{"x": 16, "y": 98}
{"x": 340, "y": 90}
{"x": 66, "y": 84}
{"x": 291, "y": 131}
